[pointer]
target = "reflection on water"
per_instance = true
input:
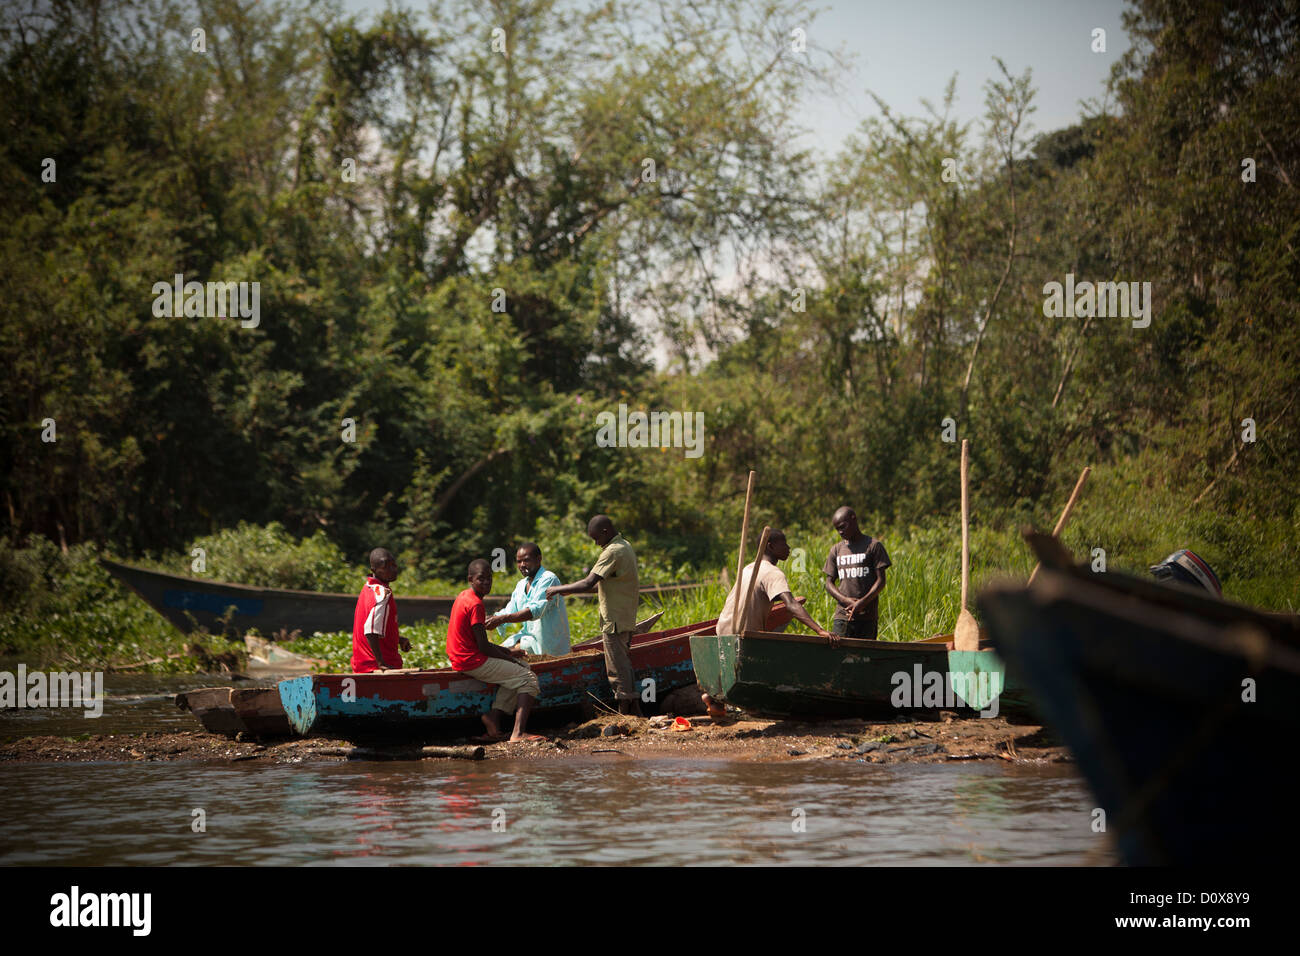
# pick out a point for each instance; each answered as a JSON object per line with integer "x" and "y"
{"x": 592, "y": 810}
{"x": 583, "y": 810}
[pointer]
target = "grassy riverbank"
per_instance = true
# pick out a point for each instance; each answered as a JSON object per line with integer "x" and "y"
{"x": 61, "y": 608}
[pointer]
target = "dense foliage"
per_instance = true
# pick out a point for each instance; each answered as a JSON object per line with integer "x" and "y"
{"x": 522, "y": 225}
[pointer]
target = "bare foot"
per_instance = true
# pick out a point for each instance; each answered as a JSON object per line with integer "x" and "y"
{"x": 712, "y": 707}
{"x": 516, "y": 737}
{"x": 493, "y": 731}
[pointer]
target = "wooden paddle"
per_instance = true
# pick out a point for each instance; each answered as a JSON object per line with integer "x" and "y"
{"x": 966, "y": 636}
{"x": 753, "y": 580}
{"x": 740, "y": 560}
{"x": 1065, "y": 515}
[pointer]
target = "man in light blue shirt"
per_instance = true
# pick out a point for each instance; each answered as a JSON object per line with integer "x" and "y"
{"x": 546, "y": 623}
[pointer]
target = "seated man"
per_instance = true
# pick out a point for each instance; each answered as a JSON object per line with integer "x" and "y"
{"x": 473, "y": 654}
{"x": 546, "y": 622}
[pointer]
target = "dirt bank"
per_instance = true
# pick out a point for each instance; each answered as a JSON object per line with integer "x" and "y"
{"x": 947, "y": 740}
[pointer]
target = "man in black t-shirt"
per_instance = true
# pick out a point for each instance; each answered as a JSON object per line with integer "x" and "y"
{"x": 858, "y": 563}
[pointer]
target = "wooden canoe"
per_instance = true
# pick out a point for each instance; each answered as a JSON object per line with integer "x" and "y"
{"x": 803, "y": 675}
{"x": 1178, "y": 709}
{"x": 191, "y": 603}
{"x": 256, "y": 711}
{"x": 432, "y": 702}
{"x": 259, "y": 711}
{"x": 212, "y": 707}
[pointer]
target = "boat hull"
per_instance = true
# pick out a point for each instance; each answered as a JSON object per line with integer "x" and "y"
{"x": 213, "y": 709}
{"x": 795, "y": 675}
{"x": 220, "y": 607}
{"x": 1150, "y": 698}
{"x": 427, "y": 702}
{"x": 256, "y": 711}
{"x": 261, "y": 711}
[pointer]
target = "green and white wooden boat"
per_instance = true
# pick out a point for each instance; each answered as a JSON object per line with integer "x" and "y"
{"x": 802, "y": 675}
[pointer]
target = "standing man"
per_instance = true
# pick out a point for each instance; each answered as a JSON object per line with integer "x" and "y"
{"x": 474, "y": 655}
{"x": 375, "y": 641}
{"x": 546, "y": 622}
{"x": 858, "y": 562}
{"x": 614, "y": 574}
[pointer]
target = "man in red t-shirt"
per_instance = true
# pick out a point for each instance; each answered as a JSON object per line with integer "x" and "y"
{"x": 473, "y": 654}
{"x": 375, "y": 640}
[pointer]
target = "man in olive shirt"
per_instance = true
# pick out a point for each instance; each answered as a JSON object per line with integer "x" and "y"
{"x": 858, "y": 562}
{"x": 614, "y": 574}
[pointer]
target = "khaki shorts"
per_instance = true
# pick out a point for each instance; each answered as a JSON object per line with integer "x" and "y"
{"x": 512, "y": 679}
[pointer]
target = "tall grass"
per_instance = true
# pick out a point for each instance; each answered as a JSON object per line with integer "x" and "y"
{"x": 60, "y": 608}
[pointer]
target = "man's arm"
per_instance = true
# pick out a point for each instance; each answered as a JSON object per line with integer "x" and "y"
{"x": 486, "y": 647}
{"x": 834, "y": 592}
{"x": 501, "y": 620}
{"x": 577, "y": 587}
{"x": 374, "y": 640}
{"x": 872, "y": 593}
{"x": 508, "y": 616}
{"x": 530, "y": 609}
{"x": 497, "y": 620}
{"x": 797, "y": 610}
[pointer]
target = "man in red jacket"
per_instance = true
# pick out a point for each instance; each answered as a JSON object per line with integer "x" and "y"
{"x": 375, "y": 641}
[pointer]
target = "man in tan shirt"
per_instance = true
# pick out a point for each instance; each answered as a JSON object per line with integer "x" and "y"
{"x": 770, "y": 588}
{"x": 614, "y": 575}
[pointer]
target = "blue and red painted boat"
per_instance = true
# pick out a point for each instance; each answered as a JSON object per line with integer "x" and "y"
{"x": 432, "y": 702}
{"x": 429, "y": 702}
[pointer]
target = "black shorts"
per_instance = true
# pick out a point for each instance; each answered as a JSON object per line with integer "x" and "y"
{"x": 862, "y": 628}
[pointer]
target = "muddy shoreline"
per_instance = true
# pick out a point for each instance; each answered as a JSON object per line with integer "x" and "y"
{"x": 950, "y": 739}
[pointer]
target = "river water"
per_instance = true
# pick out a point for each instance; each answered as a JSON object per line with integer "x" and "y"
{"x": 133, "y": 704}
{"x": 600, "y": 809}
